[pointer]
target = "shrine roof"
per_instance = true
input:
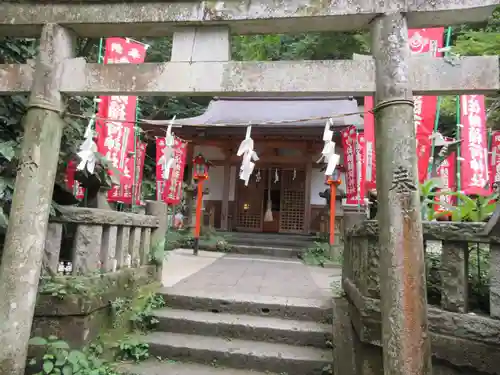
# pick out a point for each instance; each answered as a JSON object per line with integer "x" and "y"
{"x": 272, "y": 112}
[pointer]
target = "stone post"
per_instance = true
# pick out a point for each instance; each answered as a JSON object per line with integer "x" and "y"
{"x": 352, "y": 216}
{"x": 158, "y": 209}
{"x": 405, "y": 337}
{"x": 25, "y": 239}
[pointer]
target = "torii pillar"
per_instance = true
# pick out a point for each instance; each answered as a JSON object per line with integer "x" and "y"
{"x": 405, "y": 337}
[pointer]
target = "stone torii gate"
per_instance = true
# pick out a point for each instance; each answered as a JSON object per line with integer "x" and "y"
{"x": 200, "y": 65}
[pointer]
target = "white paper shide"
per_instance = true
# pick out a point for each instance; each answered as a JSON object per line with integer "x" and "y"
{"x": 249, "y": 157}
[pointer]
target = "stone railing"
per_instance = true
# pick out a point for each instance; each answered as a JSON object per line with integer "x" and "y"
{"x": 461, "y": 340}
{"x": 101, "y": 240}
{"x": 109, "y": 253}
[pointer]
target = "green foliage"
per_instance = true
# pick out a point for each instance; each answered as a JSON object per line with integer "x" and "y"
{"x": 143, "y": 319}
{"x": 139, "y": 316}
{"x": 132, "y": 349}
{"x": 64, "y": 286}
{"x": 467, "y": 208}
{"x": 474, "y": 40}
{"x": 478, "y": 279}
{"x": 319, "y": 254}
{"x": 157, "y": 253}
{"x": 305, "y": 46}
{"x": 59, "y": 359}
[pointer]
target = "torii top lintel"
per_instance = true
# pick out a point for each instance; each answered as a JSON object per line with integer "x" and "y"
{"x": 159, "y": 18}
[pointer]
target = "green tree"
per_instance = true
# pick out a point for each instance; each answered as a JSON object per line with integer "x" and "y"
{"x": 474, "y": 40}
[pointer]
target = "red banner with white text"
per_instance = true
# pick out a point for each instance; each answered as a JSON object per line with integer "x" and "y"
{"x": 354, "y": 160}
{"x": 123, "y": 193}
{"x": 170, "y": 190}
{"x": 494, "y": 172}
{"x": 421, "y": 41}
{"x": 425, "y": 41}
{"x": 369, "y": 126}
{"x": 447, "y": 172}
{"x": 71, "y": 183}
{"x": 474, "y": 149}
{"x": 115, "y": 135}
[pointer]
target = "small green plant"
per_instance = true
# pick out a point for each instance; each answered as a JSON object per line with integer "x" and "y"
{"x": 119, "y": 308}
{"x": 59, "y": 359}
{"x": 131, "y": 349}
{"x": 474, "y": 209}
{"x": 62, "y": 286}
{"x": 144, "y": 319}
{"x": 157, "y": 253}
{"x": 470, "y": 209}
{"x": 317, "y": 255}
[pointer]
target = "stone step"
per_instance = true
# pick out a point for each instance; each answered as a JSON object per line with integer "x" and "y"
{"x": 317, "y": 310}
{"x": 278, "y": 252}
{"x": 281, "y": 241}
{"x": 155, "y": 367}
{"x": 246, "y": 327}
{"x": 240, "y": 354}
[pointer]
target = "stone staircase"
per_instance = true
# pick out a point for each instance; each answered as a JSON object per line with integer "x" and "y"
{"x": 269, "y": 244}
{"x": 218, "y": 335}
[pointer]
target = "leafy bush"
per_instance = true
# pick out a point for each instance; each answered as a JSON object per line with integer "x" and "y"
{"x": 318, "y": 255}
{"x": 58, "y": 358}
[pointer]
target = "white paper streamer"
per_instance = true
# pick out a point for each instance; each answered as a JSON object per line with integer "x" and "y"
{"x": 87, "y": 150}
{"x": 249, "y": 156}
{"x": 328, "y": 155}
{"x": 167, "y": 159}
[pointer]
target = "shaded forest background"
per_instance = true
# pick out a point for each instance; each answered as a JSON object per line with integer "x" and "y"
{"x": 468, "y": 39}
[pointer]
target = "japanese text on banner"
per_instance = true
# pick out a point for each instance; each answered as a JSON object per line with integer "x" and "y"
{"x": 422, "y": 41}
{"x": 494, "y": 172}
{"x": 369, "y": 150}
{"x": 116, "y": 136}
{"x": 123, "y": 193}
{"x": 474, "y": 167}
{"x": 353, "y": 145}
{"x": 170, "y": 190}
{"x": 71, "y": 183}
{"x": 446, "y": 171}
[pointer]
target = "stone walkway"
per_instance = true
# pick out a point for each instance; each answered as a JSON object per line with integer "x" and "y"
{"x": 217, "y": 273}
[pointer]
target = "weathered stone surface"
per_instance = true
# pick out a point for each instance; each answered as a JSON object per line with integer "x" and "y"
{"x": 135, "y": 246}
{"x": 15, "y": 78}
{"x": 159, "y": 210}
{"x": 465, "y": 326}
{"x": 104, "y": 217}
{"x": 495, "y": 281}
{"x": 436, "y": 230}
{"x": 465, "y": 342}
{"x": 201, "y": 44}
{"x": 239, "y": 354}
{"x": 406, "y": 345}
{"x": 79, "y": 318}
{"x": 122, "y": 246}
{"x": 25, "y": 238}
{"x": 245, "y": 327}
{"x": 429, "y": 76}
{"x": 454, "y": 276}
{"x": 145, "y": 245}
{"x": 343, "y": 345}
{"x": 87, "y": 249}
{"x": 243, "y": 16}
{"x": 53, "y": 245}
{"x": 108, "y": 252}
{"x": 104, "y": 288}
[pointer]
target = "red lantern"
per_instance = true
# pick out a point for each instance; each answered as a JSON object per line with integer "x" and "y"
{"x": 200, "y": 167}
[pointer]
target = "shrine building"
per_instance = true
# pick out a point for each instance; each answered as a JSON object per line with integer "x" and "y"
{"x": 287, "y": 134}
